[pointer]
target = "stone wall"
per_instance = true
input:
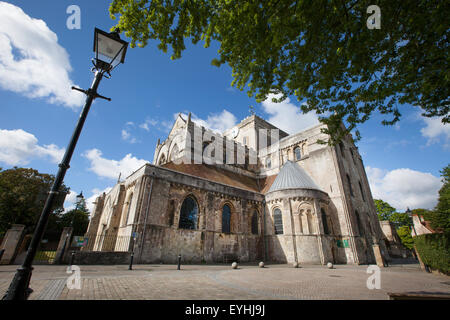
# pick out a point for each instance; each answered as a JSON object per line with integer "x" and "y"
{"x": 99, "y": 257}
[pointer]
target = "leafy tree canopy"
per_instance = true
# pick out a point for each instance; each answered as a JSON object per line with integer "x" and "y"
{"x": 440, "y": 216}
{"x": 320, "y": 51}
{"x": 23, "y": 193}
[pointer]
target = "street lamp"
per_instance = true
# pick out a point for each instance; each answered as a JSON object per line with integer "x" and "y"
{"x": 109, "y": 51}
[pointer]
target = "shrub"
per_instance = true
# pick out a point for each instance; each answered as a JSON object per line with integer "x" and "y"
{"x": 434, "y": 250}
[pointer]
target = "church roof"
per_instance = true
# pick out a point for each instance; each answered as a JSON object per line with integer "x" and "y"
{"x": 216, "y": 174}
{"x": 292, "y": 176}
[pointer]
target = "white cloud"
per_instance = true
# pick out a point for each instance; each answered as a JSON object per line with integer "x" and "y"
{"x": 126, "y": 136}
{"x": 435, "y": 130}
{"x": 71, "y": 199}
{"x": 287, "y": 116}
{"x": 404, "y": 187}
{"x": 31, "y": 60}
{"x": 148, "y": 122}
{"x": 112, "y": 168}
{"x": 218, "y": 122}
{"x": 18, "y": 147}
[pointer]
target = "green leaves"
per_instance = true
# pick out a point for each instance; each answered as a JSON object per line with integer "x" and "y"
{"x": 320, "y": 51}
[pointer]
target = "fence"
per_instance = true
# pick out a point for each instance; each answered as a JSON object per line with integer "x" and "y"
{"x": 104, "y": 243}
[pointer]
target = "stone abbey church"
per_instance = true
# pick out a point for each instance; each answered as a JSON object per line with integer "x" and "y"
{"x": 300, "y": 201}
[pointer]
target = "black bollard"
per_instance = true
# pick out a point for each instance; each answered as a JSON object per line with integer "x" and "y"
{"x": 72, "y": 258}
{"x": 131, "y": 262}
{"x": 1, "y": 253}
{"x": 179, "y": 261}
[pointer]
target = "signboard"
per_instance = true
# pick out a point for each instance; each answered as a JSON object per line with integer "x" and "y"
{"x": 342, "y": 243}
{"x": 79, "y": 241}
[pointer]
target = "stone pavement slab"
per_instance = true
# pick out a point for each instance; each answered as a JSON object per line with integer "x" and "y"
{"x": 220, "y": 282}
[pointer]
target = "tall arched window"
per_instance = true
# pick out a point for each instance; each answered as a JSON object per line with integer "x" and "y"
{"x": 226, "y": 219}
{"x": 162, "y": 160}
{"x": 255, "y": 223}
{"x": 278, "y": 221}
{"x": 188, "y": 214}
{"x": 350, "y": 185}
{"x": 125, "y": 222}
{"x": 326, "y": 230}
{"x": 362, "y": 192}
{"x": 298, "y": 154}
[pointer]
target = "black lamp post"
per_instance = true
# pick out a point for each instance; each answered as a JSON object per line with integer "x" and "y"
{"x": 109, "y": 51}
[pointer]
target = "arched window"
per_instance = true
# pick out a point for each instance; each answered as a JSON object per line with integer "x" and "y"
{"x": 226, "y": 219}
{"x": 324, "y": 222}
{"x": 188, "y": 214}
{"x": 268, "y": 163}
{"x": 255, "y": 223}
{"x": 362, "y": 192}
{"x": 298, "y": 154}
{"x": 174, "y": 153}
{"x": 350, "y": 185}
{"x": 278, "y": 221}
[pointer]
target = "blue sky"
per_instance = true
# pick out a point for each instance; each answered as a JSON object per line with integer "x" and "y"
{"x": 39, "y": 62}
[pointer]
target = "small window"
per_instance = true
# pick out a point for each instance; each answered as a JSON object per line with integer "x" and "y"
{"x": 255, "y": 223}
{"x": 226, "y": 219}
{"x": 278, "y": 221}
{"x": 362, "y": 192}
{"x": 245, "y": 141}
{"x": 188, "y": 214}
{"x": 268, "y": 163}
{"x": 360, "y": 227}
{"x": 350, "y": 185}
{"x": 297, "y": 153}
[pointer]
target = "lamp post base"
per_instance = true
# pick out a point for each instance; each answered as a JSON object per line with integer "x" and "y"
{"x": 19, "y": 287}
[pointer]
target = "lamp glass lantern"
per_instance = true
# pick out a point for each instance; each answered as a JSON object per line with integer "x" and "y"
{"x": 109, "y": 49}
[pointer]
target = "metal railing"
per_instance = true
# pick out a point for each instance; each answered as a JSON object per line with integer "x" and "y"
{"x": 104, "y": 243}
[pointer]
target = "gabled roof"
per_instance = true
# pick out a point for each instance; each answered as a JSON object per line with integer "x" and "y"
{"x": 292, "y": 176}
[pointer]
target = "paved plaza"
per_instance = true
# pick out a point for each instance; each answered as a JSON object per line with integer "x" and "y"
{"x": 212, "y": 282}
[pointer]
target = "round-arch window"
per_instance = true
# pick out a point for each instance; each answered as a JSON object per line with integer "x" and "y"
{"x": 188, "y": 214}
{"x": 298, "y": 154}
{"x": 226, "y": 219}
{"x": 278, "y": 221}
{"x": 268, "y": 163}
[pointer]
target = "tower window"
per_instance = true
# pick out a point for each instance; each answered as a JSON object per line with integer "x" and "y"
{"x": 297, "y": 153}
{"x": 268, "y": 163}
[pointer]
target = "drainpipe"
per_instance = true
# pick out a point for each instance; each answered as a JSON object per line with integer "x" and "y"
{"x": 145, "y": 218}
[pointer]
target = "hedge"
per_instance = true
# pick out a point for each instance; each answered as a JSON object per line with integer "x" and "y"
{"x": 434, "y": 250}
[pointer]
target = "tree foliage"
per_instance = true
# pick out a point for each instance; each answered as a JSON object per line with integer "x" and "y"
{"x": 320, "y": 51}
{"x": 440, "y": 217}
{"x": 77, "y": 218}
{"x": 404, "y": 233}
{"x": 23, "y": 193}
